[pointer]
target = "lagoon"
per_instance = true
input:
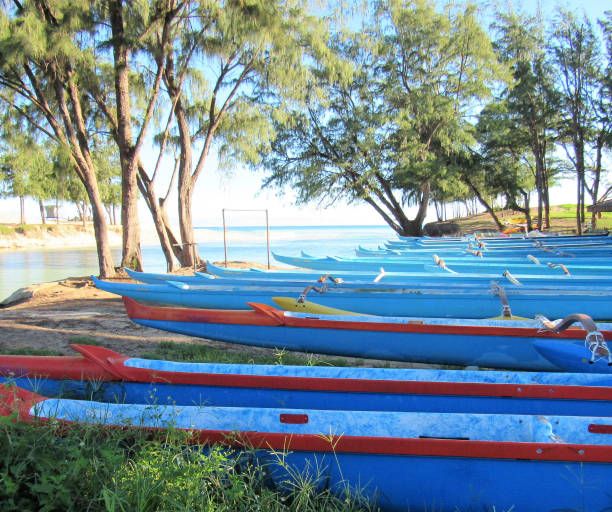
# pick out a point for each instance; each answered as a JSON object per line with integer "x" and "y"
{"x": 246, "y": 243}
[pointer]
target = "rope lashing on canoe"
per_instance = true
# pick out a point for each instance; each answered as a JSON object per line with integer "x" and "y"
{"x": 501, "y": 293}
{"x": 302, "y": 298}
{"x": 440, "y": 263}
{"x": 557, "y": 253}
{"x": 565, "y": 254}
{"x": 335, "y": 280}
{"x": 380, "y": 275}
{"x": 560, "y": 265}
{"x": 511, "y": 278}
{"x": 533, "y": 258}
{"x": 594, "y": 341}
{"x": 475, "y": 253}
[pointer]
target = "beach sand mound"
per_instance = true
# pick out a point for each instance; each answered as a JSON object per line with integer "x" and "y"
{"x": 54, "y": 236}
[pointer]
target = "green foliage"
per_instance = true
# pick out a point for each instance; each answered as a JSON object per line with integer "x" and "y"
{"x": 84, "y": 340}
{"x": 31, "y": 351}
{"x": 387, "y": 109}
{"x": 39, "y": 471}
{"x": 92, "y": 468}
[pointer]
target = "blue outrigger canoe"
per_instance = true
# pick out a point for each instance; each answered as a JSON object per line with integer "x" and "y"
{"x": 471, "y": 266}
{"x": 598, "y": 258}
{"x": 106, "y": 376}
{"x": 398, "y": 460}
{"x": 503, "y": 240}
{"x": 415, "y": 301}
{"x": 486, "y": 343}
{"x": 422, "y": 280}
{"x": 381, "y": 275}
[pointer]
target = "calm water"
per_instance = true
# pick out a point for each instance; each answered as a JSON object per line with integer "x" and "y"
{"x": 19, "y": 269}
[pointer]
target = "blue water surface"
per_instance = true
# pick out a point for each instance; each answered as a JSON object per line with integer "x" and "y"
{"x": 23, "y": 268}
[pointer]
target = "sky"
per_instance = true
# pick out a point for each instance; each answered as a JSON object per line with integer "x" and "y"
{"x": 241, "y": 188}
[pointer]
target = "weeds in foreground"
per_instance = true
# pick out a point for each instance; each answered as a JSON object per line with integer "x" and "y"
{"x": 96, "y": 469}
{"x": 84, "y": 340}
{"x": 30, "y": 351}
{"x": 196, "y": 353}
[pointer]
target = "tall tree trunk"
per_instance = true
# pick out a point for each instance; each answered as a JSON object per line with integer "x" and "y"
{"x": 105, "y": 258}
{"x": 484, "y": 203}
{"x": 527, "y": 210}
{"x": 132, "y": 256}
{"x": 597, "y": 178}
{"x": 22, "y": 209}
{"x": 43, "y": 215}
{"x": 148, "y": 192}
{"x": 185, "y": 190}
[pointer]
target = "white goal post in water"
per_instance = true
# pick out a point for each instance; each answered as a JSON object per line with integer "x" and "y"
{"x": 241, "y": 210}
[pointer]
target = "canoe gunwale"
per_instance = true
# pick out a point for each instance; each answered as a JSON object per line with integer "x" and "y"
{"x": 275, "y": 317}
{"x": 24, "y": 402}
{"x": 44, "y": 368}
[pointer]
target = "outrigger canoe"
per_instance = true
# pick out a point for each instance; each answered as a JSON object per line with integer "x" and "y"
{"x": 106, "y": 376}
{"x": 486, "y": 343}
{"x": 382, "y": 276}
{"x": 341, "y": 279}
{"x": 450, "y": 302}
{"x": 398, "y": 460}
{"x": 471, "y": 266}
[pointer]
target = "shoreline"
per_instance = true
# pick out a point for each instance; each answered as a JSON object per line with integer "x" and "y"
{"x": 42, "y": 237}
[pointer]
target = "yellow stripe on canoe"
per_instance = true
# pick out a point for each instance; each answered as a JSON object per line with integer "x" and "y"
{"x": 290, "y": 304}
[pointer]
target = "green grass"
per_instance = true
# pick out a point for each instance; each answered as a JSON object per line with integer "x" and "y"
{"x": 84, "y": 340}
{"x": 196, "y": 353}
{"x": 30, "y": 351}
{"x": 96, "y": 469}
{"x": 6, "y": 230}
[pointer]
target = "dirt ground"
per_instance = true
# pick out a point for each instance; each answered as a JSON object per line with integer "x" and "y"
{"x": 60, "y": 313}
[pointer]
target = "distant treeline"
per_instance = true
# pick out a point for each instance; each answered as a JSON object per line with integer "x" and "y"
{"x": 398, "y": 103}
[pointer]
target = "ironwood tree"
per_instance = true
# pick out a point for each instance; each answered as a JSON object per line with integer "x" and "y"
{"x": 382, "y": 119}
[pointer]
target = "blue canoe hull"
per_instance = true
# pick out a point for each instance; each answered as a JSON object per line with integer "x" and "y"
{"x": 426, "y": 280}
{"x": 418, "y": 302}
{"x": 408, "y": 278}
{"x": 232, "y": 396}
{"x": 475, "y": 266}
{"x": 572, "y": 357}
{"x": 398, "y": 461}
{"x": 495, "y": 352}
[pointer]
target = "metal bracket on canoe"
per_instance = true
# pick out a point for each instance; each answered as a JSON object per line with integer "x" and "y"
{"x": 560, "y": 265}
{"x": 380, "y": 275}
{"x": 440, "y": 263}
{"x": 501, "y": 293}
{"x": 335, "y": 280}
{"x": 511, "y": 278}
{"x": 594, "y": 341}
{"x": 534, "y": 259}
{"x": 302, "y": 298}
{"x": 475, "y": 253}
